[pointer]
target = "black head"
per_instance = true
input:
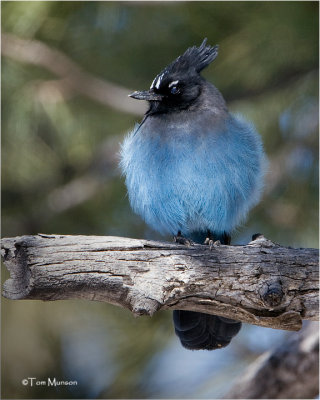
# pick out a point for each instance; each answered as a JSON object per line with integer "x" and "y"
{"x": 179, "y": 84}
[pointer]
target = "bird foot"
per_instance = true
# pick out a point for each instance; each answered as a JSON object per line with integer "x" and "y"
{"x": 211, "y": 243}
{"x": 182, "y": 240}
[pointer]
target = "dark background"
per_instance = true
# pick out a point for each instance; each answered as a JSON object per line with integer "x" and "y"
{"x": 60, "y": 139}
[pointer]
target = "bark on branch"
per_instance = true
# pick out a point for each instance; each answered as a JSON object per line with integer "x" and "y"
{"x": 261, "y": 283}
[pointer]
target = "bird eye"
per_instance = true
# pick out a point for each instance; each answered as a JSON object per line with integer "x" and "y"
{"x": 174, "y": 90}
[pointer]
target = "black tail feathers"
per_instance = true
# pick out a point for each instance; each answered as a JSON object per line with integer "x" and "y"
{"x": 198, "y": 331}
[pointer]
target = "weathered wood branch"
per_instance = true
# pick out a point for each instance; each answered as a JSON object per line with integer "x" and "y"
{"x": 290, "y": 371}
{"x": 261, "y": 283}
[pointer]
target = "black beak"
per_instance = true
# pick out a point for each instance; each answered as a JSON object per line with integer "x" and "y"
{"x": 148, "y": 95}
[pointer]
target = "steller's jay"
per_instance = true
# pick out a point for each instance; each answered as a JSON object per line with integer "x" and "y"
{"x": 193, "y": 170}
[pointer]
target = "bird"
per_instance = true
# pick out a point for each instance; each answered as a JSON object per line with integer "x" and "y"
{"x": 193, "y": 170}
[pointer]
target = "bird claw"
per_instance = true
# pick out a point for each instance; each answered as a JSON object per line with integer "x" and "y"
{"x": 182, "y": 240}
{"x": 211, "y": 243}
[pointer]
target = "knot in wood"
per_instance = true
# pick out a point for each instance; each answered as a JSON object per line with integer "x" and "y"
{"x": 272, "y": 294}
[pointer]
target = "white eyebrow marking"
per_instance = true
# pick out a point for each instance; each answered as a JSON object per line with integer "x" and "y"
{"x": 152, "y": 84}
{"x": 173, "y": 83}
{"x": 159, "y": 81}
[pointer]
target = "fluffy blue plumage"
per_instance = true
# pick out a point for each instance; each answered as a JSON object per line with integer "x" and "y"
{"x": 193, "y": 176}
{"x": 192, "y": 167}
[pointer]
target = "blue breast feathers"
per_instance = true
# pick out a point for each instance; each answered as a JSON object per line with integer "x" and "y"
{"x": 180, "y": 178}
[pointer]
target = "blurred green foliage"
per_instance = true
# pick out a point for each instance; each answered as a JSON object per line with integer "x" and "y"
{"x": 60, "y": 175}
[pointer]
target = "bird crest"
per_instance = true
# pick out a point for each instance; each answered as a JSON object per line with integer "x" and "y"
{"x": 193, "y": 60}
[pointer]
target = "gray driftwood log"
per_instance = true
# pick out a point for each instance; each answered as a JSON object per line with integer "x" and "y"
{"x": 261, "y": 283}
